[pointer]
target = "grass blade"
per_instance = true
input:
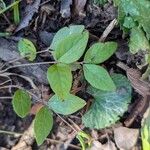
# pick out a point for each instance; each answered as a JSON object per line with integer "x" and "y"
{"x": 16, "y": 13}
{"x": 10, "y": 6}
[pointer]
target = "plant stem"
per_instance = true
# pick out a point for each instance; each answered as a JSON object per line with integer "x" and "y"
{"x": 30, "y": 93}
{"x": 28, "y": 64}
{"x": 6, "y": 97}
{"x": 10, "y": 132}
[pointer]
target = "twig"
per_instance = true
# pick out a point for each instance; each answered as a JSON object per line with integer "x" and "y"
{"x": 10, "y": 132}
{"x": 108, "y": 30}
{"x": 9, "y": 80}
{"x": 30, "y": 93}
{"x": 6, "y": 97}
{"x": 15, "y": 60}
{"x": 66, "y": 122}
{"x": 45, "y": 2}
{"x": 24, "y": 77}
{"x": 28, "y": 64}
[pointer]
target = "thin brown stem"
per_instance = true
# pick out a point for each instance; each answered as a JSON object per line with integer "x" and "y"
{"x": 108, "y": 30}
{"x": 28, "y": 64}
{"x": 30, "y": 93}
{"x": 66, "y": 122}
{"x": 6, "y": 97}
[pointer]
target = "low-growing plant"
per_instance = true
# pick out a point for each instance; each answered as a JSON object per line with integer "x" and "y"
{"x": 69, "y": 52}
{"x": 133, "y": 19}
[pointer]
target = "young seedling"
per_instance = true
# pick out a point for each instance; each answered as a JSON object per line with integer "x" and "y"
{"x": 69, "y": 49}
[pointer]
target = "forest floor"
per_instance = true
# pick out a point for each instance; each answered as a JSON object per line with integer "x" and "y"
{"x": 39, "y": 24}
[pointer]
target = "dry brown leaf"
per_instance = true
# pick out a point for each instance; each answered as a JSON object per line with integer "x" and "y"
{"x": 35, "y": 108}
{"x": 126, "y": 138}
{"x": 109, "y": 146}
{"x": 96, "y": 145}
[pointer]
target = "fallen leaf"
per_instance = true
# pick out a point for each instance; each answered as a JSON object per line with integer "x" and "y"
{"x": 109, "y": 146}
{"x": 28, "y": 14}
{"x": 96, "y": 145}
{"x": 126, "y": 138}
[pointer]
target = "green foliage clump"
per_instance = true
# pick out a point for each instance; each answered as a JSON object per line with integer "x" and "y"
{"x": 69, "y": 52}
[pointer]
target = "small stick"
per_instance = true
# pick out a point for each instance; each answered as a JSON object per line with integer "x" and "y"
{"x": 108, "y": 30}
{"x": 8, "y": 97}
{"x": 122, "y": 66}
{"x": 28, "y": 64}
{"x": 10, "y": 132}
{"x": 23, "y": 77}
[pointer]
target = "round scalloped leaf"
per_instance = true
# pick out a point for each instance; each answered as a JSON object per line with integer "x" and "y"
{"x": 108, "y": 106}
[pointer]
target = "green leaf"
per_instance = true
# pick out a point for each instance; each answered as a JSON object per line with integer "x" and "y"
{"x": 136, "y": 9}
{"x": 145, "y": 131}
{"x": 71, "y": 48}
{"x": 16, "y": 13}
{"x": 129, "y": 22}
{"x": 64, "y": 33}
{"x": 68, "y": 106}
{"x": 21, "y": 103}
{"x": 100, "y": 52}
{"x": 138, "y": 41}
{"x": 60, "y": 79}
{"x": 27, "y": 49}
{"x": 43, "y": 124}
{"x": 108, "y": 106}
{"x": 98, "y": 77}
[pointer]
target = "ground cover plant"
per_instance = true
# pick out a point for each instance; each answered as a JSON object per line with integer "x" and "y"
{"x": 96, "y": 86}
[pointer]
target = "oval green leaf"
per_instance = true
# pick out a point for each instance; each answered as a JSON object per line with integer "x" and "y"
{"x": 63, "y": 33}
{"x": 60, "y": 79}
{"x": 21, "y": 103}
{"x": 43, "y": 124}
{"x": 71, "y": 48}
{"x": 68, "y": 106}
{"x": 27, "y": 49}
{"x": 98, "y": 77}
{"x": 107, "y": 107}
{"x": 100, "y": 52}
